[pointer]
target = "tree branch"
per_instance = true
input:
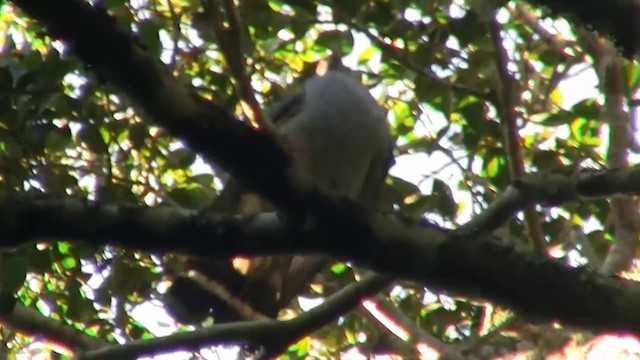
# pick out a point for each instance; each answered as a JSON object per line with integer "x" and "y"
{"x": 624, "y": 209}
{"x": 457, "y": 262}
{"x": 337, "y": 227}
{"x": 273, "y": 335}
{"x": 230, "y": 43}
{"x": 208, "y": 129}
{"x": 619, "y": 19}
{"x": 32, "y": 323}
{"x": 552, "y": 189}
{"x": 401, "y": 56}
{"x": 507, "y": 105}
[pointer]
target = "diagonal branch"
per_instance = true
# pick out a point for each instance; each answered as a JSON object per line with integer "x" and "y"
{"x": 507, "y": 104}
{"x": 619, "y": 19}
{"x": 401, "y": 56}
{"x": 30, "y": 322}
{"x": 230, "y": 40}
{"x": 273, "y": 335}
{"x": 208, "y": 129}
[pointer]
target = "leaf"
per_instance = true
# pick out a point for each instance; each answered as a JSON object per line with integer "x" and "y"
{"x": 56, "y": 180}
{"x": 587, "y": 109}
{"x": 336, "y": 40}
{"x": 205, "y": 180}
{"x": 556, "y": 97}
{"x": 136, "y": 331}
{"x": 339, "y": 268}
{"x": 90, "y": 136}
{"x": 561, "y": 117}
{"x": 492, "y": 166}
{"x": 367, "y": 54}
{"x": 546, "y": 160}
{"x": 398, "y": 190}
{"x": 13, "y": 272}
{"x": 346, "y": 9}
{"x": 601, "y": 241}
{"x": 138, "y": 133}
{"x": 79, "y": 307}
{"x": 129, "y": 278}
{"x": 68, "y": 263}
{"x": 191, "y": 197}
{"x": 6, "y": 81}
{"x": 444, "y": 195}
{"x": 58, "y": 139}
{"x": 467, "y": 29}
{"x": 110, "y": 4}
{"x": 633, "y": 74}
{"x": 181, "y": 158}
{"x": 148, "y": 32}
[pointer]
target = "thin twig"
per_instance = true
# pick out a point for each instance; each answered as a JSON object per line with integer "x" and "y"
{"x": 509, "y": 118}
{"x": 175, "y": 34}
{"x": 245, "y": 311}
{"x": 229, "y": 40}
{"x": 401, "y": 56}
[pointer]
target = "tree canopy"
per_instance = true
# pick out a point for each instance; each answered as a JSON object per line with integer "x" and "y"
{"x": 511, "y": 226}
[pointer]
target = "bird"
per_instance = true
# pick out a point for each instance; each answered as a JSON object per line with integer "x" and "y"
{"x": 338, "y": 136}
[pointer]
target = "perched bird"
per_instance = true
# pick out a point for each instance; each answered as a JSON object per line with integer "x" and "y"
{"x": 338, "y": 137}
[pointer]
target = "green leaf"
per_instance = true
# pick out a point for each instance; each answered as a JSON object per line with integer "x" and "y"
{"x": 467, "y": 29}
{"x": 191, "y": 198}
{"x": 492, "y": 166}
{"x": 6, "y": 81}
{"x": 561, "y": 117}
{"x": 63, "y": 247}
{"x": 339, "y": 268}
{"x": 90, "y": 136}
{"x": 138, "y": 133}
{"x": 206, "y": 180}
{"x": 136, "y": 331}
{"x": 79, "y": 307}
{"x": 110, "y": 4}
{"x": 181, "y": 158}
{"x": 68, "y": 263}
{"x": 547, "y": 160}
{"x": 13, "y": 272}
{"x": 58, "y": 139}
{"x": 148, "y": 32}
{"x": 367, "y": 54}
{"x": 587, "y": 109}
{"x": 337, "y": 40}
{"x": 633, "y": 74}
{"x": 444, "y": 195}
{"x": 398, "y": 190}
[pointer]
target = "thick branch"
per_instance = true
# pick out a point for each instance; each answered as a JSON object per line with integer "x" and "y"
{"x": 456, "y": 262}
{"x": 618, "y": 19}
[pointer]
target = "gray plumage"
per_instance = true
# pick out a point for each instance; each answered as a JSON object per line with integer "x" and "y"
{"x": 338, "y": 137}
